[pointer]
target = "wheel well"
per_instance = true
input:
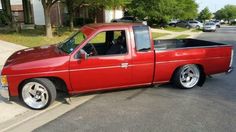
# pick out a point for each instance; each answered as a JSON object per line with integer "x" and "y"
{"x": 58, "y": 82}
{"x": 202, "y": 74}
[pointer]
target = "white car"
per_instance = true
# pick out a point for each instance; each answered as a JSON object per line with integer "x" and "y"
{"x": 210, "y": 26}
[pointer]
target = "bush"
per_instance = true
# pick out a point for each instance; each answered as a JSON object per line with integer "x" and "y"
{"x": 233, "y": 23}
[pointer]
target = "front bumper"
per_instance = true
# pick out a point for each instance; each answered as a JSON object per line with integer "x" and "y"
{"x": 209, "y": 29}
{"x": 4, "y": 93}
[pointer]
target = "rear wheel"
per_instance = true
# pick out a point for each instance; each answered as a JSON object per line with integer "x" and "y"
{"x": 187, "y": 76}
{"x": 38, "y": 93}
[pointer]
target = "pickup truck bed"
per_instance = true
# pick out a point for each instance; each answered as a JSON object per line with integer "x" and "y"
{"x": 183, "y": 43}
{"x": 211, "y": 57}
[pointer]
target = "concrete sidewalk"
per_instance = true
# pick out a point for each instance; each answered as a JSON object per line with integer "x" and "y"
{"x": 176, "y": 34}
{"x": 8, "y": 109}
{"x": 6, "y": 49}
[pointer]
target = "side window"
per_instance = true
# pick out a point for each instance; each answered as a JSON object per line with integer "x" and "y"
{"x": 107, "y": 43}
{"x": 142, "y": 38}
{"x": 100, "y": 38}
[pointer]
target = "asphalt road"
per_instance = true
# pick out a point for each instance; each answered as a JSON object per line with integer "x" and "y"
{"x": 163, "y": 108}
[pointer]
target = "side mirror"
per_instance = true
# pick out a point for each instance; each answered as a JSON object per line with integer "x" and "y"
{"x": 83, "y": 55}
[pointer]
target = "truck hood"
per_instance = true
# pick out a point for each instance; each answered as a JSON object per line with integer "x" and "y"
{"x": 34, "y": 54}
{"x": 38, "y": 59}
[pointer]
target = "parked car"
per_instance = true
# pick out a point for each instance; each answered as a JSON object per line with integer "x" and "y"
{"x": 195, "y": 24}
{"x": 217, "y": 22}
{"x": 107, "y": 57}
{"x": 173, "y": 23}
{"x": 210, "y": 26}
{"x": 129, "y": 19}
{"x": 189, "y": 24}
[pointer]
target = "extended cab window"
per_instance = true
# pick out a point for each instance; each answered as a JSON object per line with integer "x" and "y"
{"x": 107, "y": 43}
{"x": 142, "y": 38}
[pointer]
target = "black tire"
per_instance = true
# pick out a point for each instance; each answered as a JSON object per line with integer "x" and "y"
{"x": 176, "y": 79}
{"x": 48, "y": 85}
{"x": 198, "y": 27}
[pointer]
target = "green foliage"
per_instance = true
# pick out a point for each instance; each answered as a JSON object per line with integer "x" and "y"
{"x": 205, "y": 14}
{"x": 186, "y": 9}
{"x": 161, "y": 11}
{"x": 226, "y": 13}
{"x": 3, "y": 18}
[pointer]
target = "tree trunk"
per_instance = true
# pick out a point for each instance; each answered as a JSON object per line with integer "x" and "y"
{"x": 48, "y": 22}
{"x": 71, "y": 22}
{"x": 70, "y": 7}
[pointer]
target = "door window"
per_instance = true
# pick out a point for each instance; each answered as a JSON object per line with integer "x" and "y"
{"x": 107, "y": 43}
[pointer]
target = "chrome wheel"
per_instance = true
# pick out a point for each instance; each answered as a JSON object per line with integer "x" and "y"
{"x": 35, "y": 95}
{"x": 189, "y": 76}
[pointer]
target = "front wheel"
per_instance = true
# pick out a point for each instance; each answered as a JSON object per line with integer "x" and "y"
{"x": 38, "y": 93}
{"x": 187, "y": 76}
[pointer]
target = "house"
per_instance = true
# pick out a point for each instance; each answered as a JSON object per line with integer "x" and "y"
{"x": 59, "y": 13}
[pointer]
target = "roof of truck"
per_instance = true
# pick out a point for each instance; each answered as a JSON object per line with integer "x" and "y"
{"x": 112, "y": 25}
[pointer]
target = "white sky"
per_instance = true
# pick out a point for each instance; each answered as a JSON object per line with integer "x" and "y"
{"x": 214, "y": 5}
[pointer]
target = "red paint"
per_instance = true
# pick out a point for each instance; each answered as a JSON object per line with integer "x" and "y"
{"x": 105, "y": 72}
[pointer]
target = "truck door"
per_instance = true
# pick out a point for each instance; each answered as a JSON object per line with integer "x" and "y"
{"x": 105, "y": 68}
{"x": 143, "y": 56}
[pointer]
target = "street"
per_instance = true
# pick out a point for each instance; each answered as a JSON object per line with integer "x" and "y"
{"x": 160, "y": 108}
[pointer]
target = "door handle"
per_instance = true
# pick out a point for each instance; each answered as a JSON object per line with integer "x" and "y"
{"x": 124, "y": 65}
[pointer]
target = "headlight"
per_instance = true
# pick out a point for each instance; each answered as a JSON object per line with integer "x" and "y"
{"x": 4, "y": 81}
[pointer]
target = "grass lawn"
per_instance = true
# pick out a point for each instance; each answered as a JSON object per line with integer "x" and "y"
{"x": 156, "y": 35}
{"x": 32, "y": 38}
{"x": 196, "y": 30}
{"x": 176, "y": 29}
{"x": 182, "y": 36}
{"x": 36, "y": 37}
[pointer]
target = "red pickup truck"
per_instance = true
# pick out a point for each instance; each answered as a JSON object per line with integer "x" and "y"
{"x": 110, "y": 56}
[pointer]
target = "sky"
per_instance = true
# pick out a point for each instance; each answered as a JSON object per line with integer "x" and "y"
{"x": 214, "y": 5}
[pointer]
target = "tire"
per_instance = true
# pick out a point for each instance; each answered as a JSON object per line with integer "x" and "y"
{"x": 38, "y": 93}
{"x": 187, "y": 76}
{"x": 198, "y": 27}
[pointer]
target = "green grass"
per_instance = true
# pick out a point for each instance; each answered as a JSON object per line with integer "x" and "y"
{"x": 182, "y": 36}
{"x": 33, "y": 38}
{"x": 196, "y": 30}
{"x": 176, "y": 29}
{"x": 156, "y": 35}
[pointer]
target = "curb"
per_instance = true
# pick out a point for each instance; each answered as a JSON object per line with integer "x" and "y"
{"x": 39, "y": 118}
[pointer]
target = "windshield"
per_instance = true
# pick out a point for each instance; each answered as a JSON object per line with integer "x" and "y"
{"x": 72, "y": 42}
{"x": 210, "y": 24}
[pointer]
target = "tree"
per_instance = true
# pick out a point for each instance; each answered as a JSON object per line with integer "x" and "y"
{"x": 226, "y": 13}
{"x": 205, "y": 14}
{"x": 161, "y": 11}
{"x": 186, "y": 9}
{"x": 47, "y": 4}
{"x": 71, "y": 6}
{"x": 6, "y": 7}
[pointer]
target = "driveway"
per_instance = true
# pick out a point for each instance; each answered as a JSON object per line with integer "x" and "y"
{"x": 8, "y": 109}
{"x": 162, "y": 108}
